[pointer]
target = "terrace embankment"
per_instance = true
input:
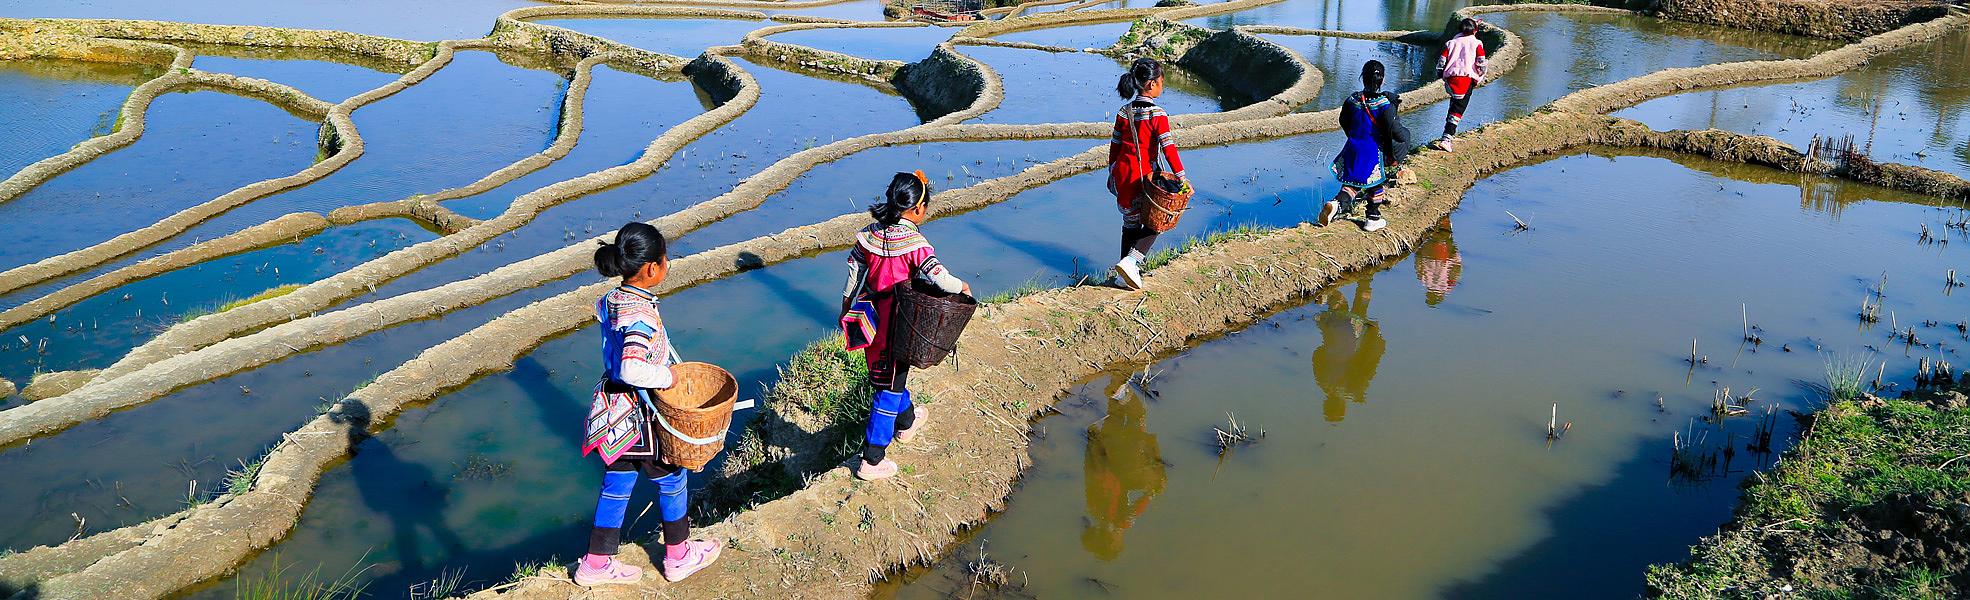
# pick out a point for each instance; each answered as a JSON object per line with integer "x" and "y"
{"x": 1873, "y": 502}
{"x": 1838, "y": 19}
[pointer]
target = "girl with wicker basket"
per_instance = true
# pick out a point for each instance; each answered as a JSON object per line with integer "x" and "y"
{"x": 1142, "y": 131}
{"x": 637, "y": 358}
{"x": 889, "y": 252}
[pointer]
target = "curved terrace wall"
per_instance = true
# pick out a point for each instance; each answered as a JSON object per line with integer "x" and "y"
{"x": 1815, "y": 18}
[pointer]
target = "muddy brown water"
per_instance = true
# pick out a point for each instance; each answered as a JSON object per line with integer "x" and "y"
{"x": 485, "y": 476}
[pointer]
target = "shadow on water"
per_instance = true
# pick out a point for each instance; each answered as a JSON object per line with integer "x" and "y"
{"x": 389, "y": 484}
{"x": 1631, "y": 508}
{"x": 785, "y": 290}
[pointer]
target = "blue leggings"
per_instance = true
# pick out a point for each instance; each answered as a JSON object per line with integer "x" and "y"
{"x": 673, "y": 496}
{"x": 890, "y": 413}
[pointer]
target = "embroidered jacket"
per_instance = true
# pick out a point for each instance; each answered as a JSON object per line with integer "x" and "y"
{"x": 635, "y": 348}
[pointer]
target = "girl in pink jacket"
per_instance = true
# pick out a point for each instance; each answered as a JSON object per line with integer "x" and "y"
{"x": 888, "y": 253}
{"x": 1461, "y": 67}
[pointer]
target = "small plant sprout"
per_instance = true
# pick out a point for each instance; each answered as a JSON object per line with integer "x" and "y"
{"x": 1234, "y": 434}
{"x": 1555, "y": 430}
{"x": 986, "y": 572}
{"x": 1844, "y": 376}
{"x": 1518, "y": 224}
{"x": 1691, "y": 458}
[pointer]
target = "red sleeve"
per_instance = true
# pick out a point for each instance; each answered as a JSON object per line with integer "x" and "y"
{"x": 1117, "y": 139}
{"x": 1161, "y": 124}
{"x": 1480, "y": 50}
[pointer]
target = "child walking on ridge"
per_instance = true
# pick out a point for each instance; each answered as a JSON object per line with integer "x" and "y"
{"x": 1141, "y": 129}
{"x": 1368, "y": 119}
{"x": 636, "y": 358}
{"x": 888, "y": 253}
{"x": 1461, "y": 67}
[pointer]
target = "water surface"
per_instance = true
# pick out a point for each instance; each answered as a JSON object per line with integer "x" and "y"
{"x": 1910, "y": 107}
{"x": 1392, "y": 413}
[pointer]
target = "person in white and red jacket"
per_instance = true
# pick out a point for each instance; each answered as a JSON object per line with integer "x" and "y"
{"x": 1461, "y": 67}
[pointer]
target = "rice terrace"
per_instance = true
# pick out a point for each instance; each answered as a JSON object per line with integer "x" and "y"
{"x": 985, "y": 299}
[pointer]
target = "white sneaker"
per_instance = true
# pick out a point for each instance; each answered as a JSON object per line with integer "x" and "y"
{"x": 1327, "y": 213}
{"x": 1128, "y": 274}
{"x": 1374, "y": 225}
{"x": 1442, "y": 143}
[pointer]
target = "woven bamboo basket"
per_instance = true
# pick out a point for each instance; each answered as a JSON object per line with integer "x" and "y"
{"x": 927, "y": 323}
{"x": 1168, "y": 197}
{"x": 694, "y": 414}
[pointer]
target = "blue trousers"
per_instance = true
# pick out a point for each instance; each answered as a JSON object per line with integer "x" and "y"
{"x": 619, "y": 481}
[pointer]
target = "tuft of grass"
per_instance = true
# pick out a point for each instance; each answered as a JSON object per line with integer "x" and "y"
{"x": 445, "y": 585}
{"x": 269, "y": 294}
{"x": 227, "y": 305}
{"x": 530, "y": 568}
{"x": 1845, "y": 376}
{"x": 1028, "y": 288}
{"x": 826, "y": 380}
{"x": 240, "y": 481}
{"x": 279, "y": 583}
{"x": 1239, "y": 233}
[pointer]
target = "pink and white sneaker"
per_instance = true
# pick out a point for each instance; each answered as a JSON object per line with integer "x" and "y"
{"x": 876, "y": 472}
{"x": 698, "y": 554}
{"x": 613, "y": 572}
{"x": 916, "y": 426}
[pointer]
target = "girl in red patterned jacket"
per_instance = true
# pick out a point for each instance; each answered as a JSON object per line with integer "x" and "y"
{"x": 1141, "y": 128}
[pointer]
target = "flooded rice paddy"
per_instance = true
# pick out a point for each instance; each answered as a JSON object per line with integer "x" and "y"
{"x": 1421, "y": 419}
{"x": 1411, "y": 403}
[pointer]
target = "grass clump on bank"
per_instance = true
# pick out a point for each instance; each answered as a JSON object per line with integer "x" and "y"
{"x": 812, "y": 419}
{"x": 269, "y": 294}
{"x": 279, "y": 584}
{"x": 1873, "y": 502}
{"x": 1240, "y": 233}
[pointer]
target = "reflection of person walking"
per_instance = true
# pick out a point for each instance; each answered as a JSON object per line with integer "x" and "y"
{"x": 1124, "y": 471}
{"x": 637, "y": 357}
{"x": 888, "y": 253}
{"x": 1350, "y": 351}
{"x": 1438, "y": 265}
{"x": 1368, "y": 119}
{"x": 1460, "y": 66}
{"x": 1141, "y": 128}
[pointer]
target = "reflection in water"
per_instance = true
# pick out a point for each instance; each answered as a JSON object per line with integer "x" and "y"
{"x": 1438, "y": 265}
{"x": 1351, "y": 348}
{"x": 1124, "y": 470}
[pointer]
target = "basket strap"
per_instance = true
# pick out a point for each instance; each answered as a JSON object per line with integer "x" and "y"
{"x": 665, "y": 423}
{"x": 695, "y": 441}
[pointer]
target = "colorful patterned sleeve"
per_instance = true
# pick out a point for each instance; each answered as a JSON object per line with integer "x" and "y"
{"x": 645, "y": 347}
{"x": 858, "y": 268}
{"x": 1161, "y": 124}
{"x": 933, "y": 270}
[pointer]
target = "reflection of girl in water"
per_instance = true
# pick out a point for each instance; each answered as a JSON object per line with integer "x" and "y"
{"x": 1124, "y": 471}
{"x": 1350, "y": 349}
{"x": 1438, "y": 265}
